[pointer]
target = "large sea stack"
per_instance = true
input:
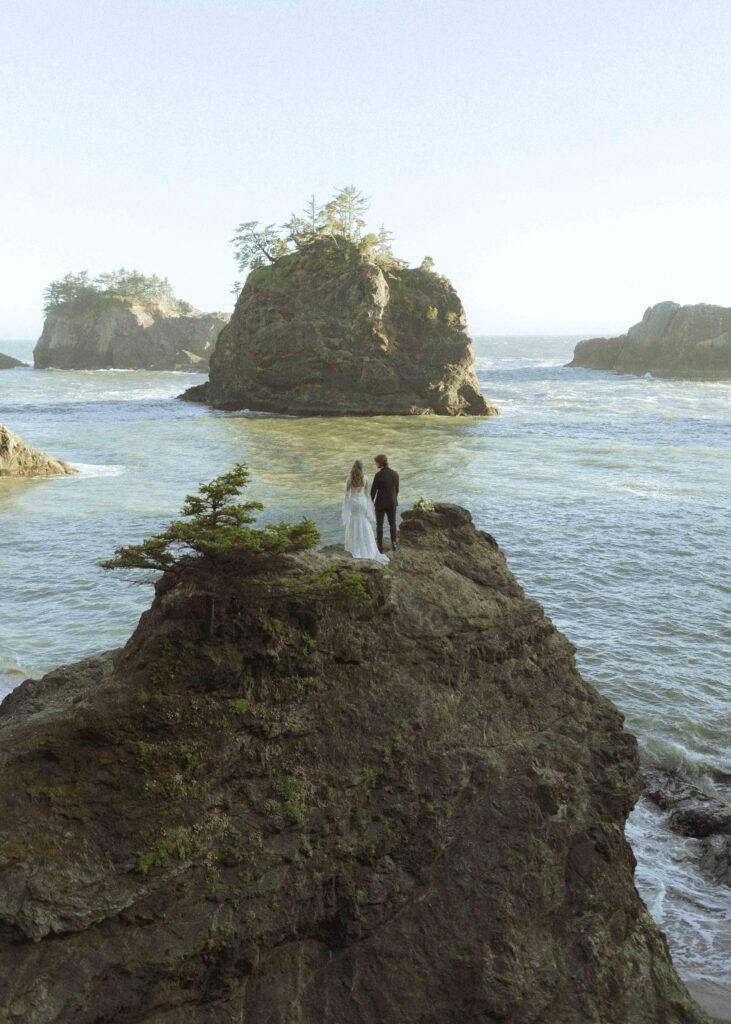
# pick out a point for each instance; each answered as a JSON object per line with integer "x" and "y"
{"x": 326, "y": 331}
{"x": 346, "y": 795}
{"x": 693, "y": 342}
{"x": 18, "y": 458}
{"x": 99, "y": 331}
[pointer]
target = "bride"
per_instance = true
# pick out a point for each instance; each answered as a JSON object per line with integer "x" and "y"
{"x": 359, "y": 517}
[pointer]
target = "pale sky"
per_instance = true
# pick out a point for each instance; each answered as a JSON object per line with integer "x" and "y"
{"x": 565, "y": 162}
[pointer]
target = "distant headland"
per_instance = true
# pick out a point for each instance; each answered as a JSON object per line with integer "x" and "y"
{"x": 671, "y": 340}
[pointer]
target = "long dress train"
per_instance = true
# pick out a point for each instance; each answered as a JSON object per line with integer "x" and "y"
{"x": 359, "y": 520}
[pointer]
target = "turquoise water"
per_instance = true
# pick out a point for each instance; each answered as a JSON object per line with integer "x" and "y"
{"x": 608, "y": 494}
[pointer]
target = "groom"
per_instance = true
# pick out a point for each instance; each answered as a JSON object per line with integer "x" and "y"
{"x": 384, "y": 492}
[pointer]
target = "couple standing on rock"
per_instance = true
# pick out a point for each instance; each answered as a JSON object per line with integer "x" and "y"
{"x": 362, "y": 512}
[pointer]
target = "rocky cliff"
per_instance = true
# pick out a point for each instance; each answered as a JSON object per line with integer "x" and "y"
{"x": 343, "y": 794}
{"x": 18, "y": 458}
{"x": 325, "y": 331}
{"x": 9, "y": 362}
{"x": 670, "y": 341}
{"x": 97, "y": 332}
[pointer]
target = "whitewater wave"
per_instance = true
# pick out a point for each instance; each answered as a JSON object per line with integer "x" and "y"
{"x": 645, "y": 489}
{"x": 255, "y": 414}
{"x": 695, "y": 915}
{"x": 672, "y": 755}
{"x": 87, "y": 470}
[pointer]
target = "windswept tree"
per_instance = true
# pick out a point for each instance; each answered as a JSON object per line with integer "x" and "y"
{"x": 130, "y": 285}
{"x": 343, "y": 217}
{"x": 68, "y": 289}
{"x": 255, "y": 247}
{"x": 383, "y": 251}
{"x": 297, "y": 231}
{"x": 345, "y": 213}
{"x": 213, "y": 523}
{"x": 378, "y": 248}
{"x": 313, "y": 216}
{"x": 304, "y": 228}
{"x": 138, "y": 287}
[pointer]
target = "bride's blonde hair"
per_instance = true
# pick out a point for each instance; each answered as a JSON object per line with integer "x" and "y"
{"x": 356, "y": 475}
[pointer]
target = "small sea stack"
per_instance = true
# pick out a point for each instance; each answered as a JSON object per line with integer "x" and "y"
{"x": 20, "y": 460}
{"x": 10, "y": 362}
{"x": 691, "y": 342}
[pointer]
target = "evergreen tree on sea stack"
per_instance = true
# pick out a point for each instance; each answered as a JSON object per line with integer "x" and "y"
{"x": 214, "y": 523}
{"x": 329, "y": 322}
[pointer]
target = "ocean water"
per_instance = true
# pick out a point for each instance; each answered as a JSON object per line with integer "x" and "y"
{"x": 608, "y": 494}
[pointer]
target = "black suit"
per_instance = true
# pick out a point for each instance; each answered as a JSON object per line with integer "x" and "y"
{"x": 384, "y": 491}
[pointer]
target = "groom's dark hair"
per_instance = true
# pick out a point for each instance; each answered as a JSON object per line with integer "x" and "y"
{"x": 381, "y": 460}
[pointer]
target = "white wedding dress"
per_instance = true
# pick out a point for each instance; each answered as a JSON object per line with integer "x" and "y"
{"x": 359, "y": 520}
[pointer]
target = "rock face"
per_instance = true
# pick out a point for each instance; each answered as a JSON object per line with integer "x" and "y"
{"x": 9, "y": 362}
{"x": 341, "y": 795}
{"x": 18, "y": 458}
{"x": 324, "y": 331}
{"x": 670, "y": 341}
{"x": 105, "y": 332}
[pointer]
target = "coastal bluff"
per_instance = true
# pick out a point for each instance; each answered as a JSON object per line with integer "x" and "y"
{"x": 98, "y": 331}
{"x": 326, "y": 331}
{"x": 692, "y": 342}
{"x": 18, "y": 459}
{"x": 352, "y": 795}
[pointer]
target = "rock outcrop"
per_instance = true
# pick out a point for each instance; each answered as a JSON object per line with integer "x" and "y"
{"x": 324, "y": 331}
{"x": 699, "y": 810}
{"x": 9, "y": 362}
{"x": 97, "y": 332}
{"x": 340, "y": 794}
{"x": 18, "y": 458}
{"x": 670, "y": 341}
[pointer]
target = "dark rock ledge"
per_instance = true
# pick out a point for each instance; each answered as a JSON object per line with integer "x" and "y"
{"x": 700, "y": 810}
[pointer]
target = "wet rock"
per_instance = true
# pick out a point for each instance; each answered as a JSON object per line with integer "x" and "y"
{"x": 715, "y": 859}
{"x": 18, "y": 458}
{"x": 694, "y": 811}
{"x": 701, "y": 820}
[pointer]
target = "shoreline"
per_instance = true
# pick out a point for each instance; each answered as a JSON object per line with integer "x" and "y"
{"x": 713, "y": 999}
